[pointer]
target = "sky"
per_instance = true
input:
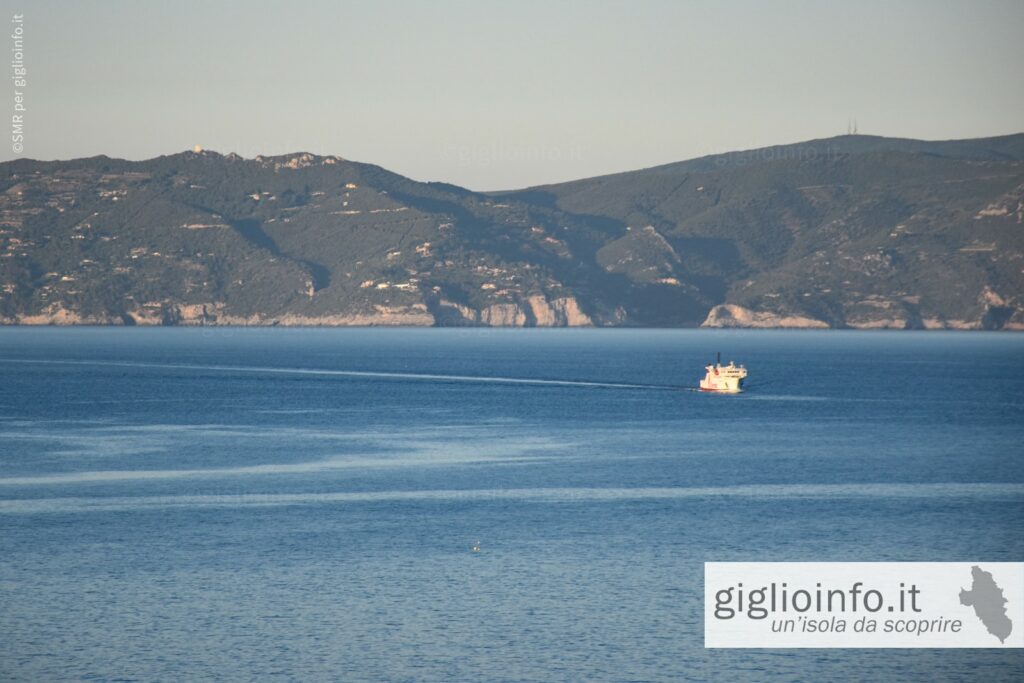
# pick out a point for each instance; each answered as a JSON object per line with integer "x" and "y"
{"x": 501, "y": 95}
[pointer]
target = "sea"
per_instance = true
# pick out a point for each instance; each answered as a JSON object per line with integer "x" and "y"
{"x": 262, "y": 504}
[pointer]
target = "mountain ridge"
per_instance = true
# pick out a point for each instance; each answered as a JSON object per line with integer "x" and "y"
{"x": 853, "y": 231}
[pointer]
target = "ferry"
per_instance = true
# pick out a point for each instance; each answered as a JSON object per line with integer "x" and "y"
{"x": 723, "y": 379}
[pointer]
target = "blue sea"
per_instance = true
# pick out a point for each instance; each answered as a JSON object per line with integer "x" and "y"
{"x": 301, "y": 504}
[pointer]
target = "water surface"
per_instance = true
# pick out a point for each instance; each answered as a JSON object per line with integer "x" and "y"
{"x": 301, "y": 504}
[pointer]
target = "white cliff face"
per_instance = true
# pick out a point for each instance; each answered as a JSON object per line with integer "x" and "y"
{"x": 464, "y": 314}
{"x": 55, "y": 315}
{"x": 993, "y": 311}
{"x": 881, "y": 313}
{"x": 503, "y": 315}
{"x": 543, "y": 314}
{"x": 943, "y": 324}
{"x": 538, "y": 311}
{"x": 561, "y": 312}
{"x": 213, "y": 313}
{"x": 568, "y": 310}
{"x": 731, "y": 315}
{"x": 495, "y": 315}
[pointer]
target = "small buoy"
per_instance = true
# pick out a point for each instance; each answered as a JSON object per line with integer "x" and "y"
{"x": 476, "y": 547}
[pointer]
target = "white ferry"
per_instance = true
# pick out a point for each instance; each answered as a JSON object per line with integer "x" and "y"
{"x": 725, "y": 379}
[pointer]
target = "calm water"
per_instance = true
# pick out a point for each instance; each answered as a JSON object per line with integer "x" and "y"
{"x": 301, "y": 504}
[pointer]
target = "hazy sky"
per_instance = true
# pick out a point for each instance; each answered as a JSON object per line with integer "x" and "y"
{"x": 506, "y": 94}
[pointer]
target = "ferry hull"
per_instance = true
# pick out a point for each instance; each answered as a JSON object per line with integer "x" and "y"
{"x": 721, "y": 389}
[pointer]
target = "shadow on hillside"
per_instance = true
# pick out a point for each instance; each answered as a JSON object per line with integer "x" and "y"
{"x": 251, "y": 230}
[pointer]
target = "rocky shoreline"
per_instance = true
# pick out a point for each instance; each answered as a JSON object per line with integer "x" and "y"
{"x": 562, "y": 312}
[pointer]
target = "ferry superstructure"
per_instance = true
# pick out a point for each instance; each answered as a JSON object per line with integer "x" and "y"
{"x": 723, "y": 379}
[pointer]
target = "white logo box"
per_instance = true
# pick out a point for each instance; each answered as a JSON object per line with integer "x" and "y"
{"x": 863, "y": 604}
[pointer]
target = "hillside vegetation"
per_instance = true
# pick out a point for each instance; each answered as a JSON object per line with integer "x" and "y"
{"x": 854, "y": 231}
